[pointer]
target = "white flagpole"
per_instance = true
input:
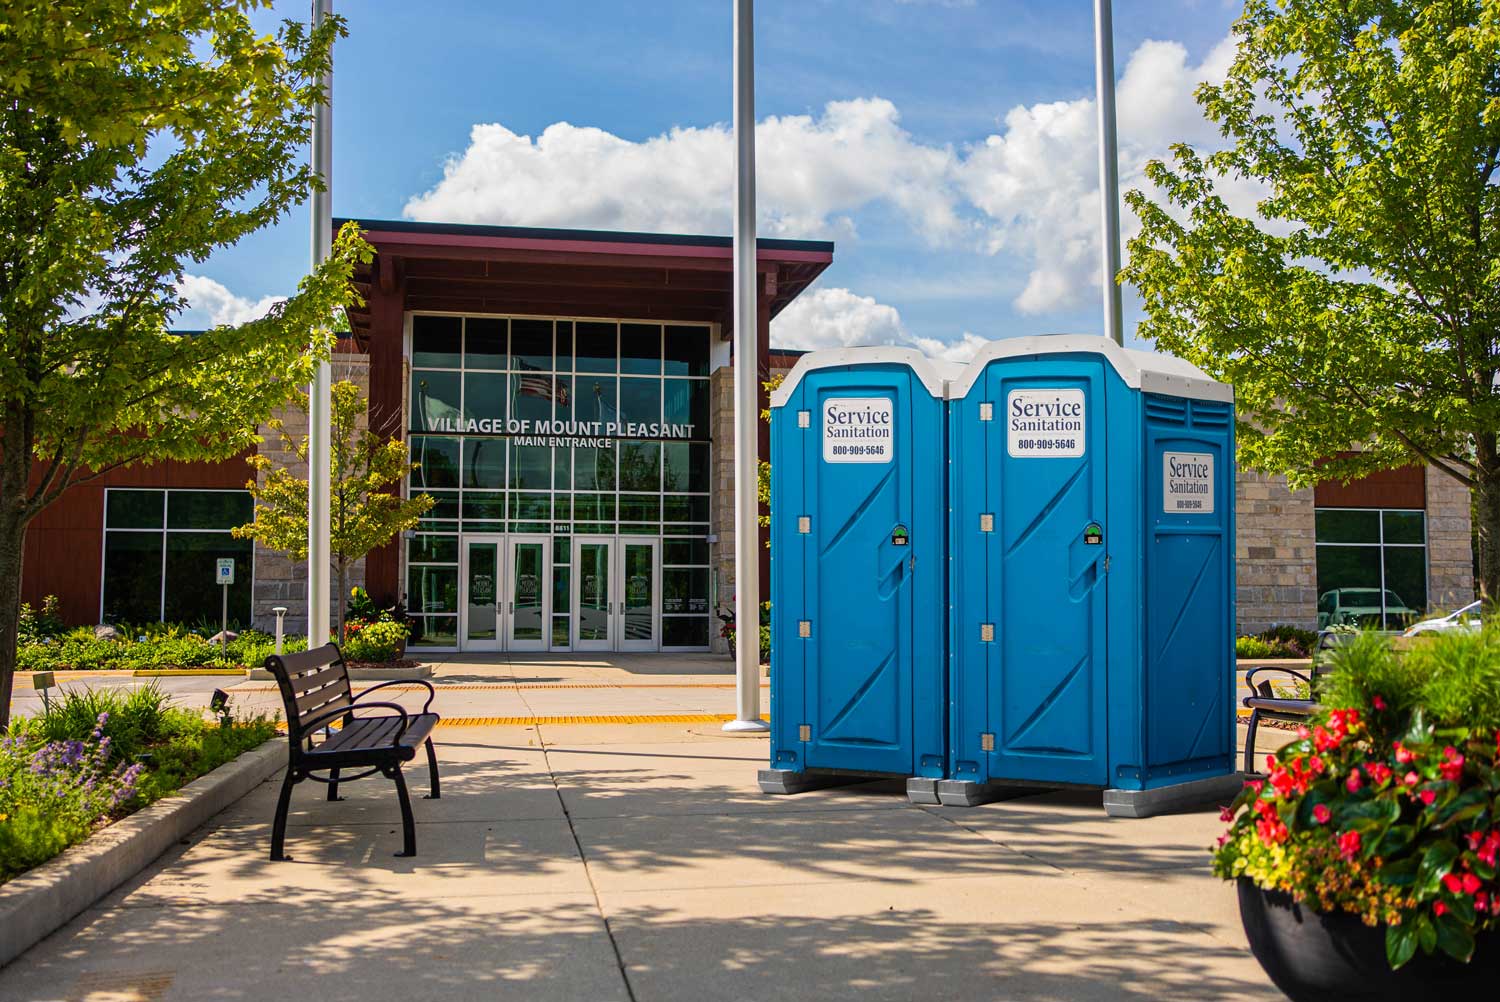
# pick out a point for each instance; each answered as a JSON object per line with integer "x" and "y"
{"x": 320, "y": 403}
{"x": 746, "y": 384}
{"x": 1109, "y": 158}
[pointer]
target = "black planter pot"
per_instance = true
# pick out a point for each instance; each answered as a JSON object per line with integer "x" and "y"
{"x": 1337, "y": 958}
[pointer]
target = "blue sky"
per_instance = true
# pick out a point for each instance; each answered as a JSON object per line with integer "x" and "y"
{"x": 947, "y": 146}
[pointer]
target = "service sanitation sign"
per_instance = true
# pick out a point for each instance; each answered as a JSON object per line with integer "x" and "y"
{"x": 1044, "y": 424}
{"x": 858, "y": 430}
{"x": 1187, "y": 483}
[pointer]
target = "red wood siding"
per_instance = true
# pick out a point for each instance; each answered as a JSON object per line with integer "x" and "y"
{"x": 1403, "y": 488}
{"x": 65, "y": 543}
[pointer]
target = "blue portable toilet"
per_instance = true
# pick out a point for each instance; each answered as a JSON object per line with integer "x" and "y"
{"x": 858, "y": 578}
{"x": 1092, "y": 575}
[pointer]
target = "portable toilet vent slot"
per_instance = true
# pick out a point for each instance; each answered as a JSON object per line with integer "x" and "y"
{"x": 857, "y": 495}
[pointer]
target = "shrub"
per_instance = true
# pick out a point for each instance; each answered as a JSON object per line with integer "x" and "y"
{"x": 55, "y": 790}
{"x": 52, "y": 794}
{"x": 1388, "y": 804}
{"x": 135, "y": 718}
{"x": 374, "y": 641}
{"x": 33, "y": 625}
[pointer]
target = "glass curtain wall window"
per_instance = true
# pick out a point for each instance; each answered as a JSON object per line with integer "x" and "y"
{"x": 510, "y": 423}
{"x": 1372, "y": 567}
{"x": 161, "y": 548}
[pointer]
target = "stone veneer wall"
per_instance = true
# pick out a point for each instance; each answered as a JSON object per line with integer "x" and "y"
{"x": 1276, "y": 570}
{"x": 279, "y": 580}
{"x": 1450, "y": 546}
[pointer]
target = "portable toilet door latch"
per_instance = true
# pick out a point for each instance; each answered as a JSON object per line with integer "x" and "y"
{"x": 804, "y": 524}
{"x": 804, "y": 732}
{"x": 804, "y": 419}
{"x": 986, "y": 742}
{"x": 986, "y": 411}
{"x": 804, "y": 628}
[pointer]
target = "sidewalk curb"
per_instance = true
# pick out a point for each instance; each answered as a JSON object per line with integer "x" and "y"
{"x": 39, "y": 902}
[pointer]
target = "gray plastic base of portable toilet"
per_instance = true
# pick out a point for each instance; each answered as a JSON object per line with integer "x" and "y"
{"x": 922, "y": 791}
{"x": 778, "y": 782}
{"x": 962, "y": 793}
{"x": 1163, "y": 799}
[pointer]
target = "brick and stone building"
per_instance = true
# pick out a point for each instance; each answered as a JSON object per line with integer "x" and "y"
{"x": 569, "y": 397}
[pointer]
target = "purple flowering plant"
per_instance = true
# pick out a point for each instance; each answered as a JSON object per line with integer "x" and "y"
{"x": 54, "y": 793}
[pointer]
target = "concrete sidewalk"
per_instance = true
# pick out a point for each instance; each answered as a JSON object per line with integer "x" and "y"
{"x": 640, "y": 863}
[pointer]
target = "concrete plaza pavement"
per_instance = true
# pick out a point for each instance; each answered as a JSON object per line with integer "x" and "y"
{"x": 641, "y": 863}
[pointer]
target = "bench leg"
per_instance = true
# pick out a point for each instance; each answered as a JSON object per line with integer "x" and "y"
{"x": 1250, "y": 769}
{"x": 436, "y": 788}
{"x": 333, "y": 785}
{"x": 278, "y": 827}
{"x": 408, "y": 823}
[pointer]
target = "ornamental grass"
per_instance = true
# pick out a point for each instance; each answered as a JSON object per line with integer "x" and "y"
{"x": 1387, "y": 806}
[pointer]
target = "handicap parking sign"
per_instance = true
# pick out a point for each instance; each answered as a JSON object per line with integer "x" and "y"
{"x": 224, "y": 574}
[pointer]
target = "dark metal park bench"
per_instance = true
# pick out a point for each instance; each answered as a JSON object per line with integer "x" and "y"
{"x": 315, "y": 691}
{"x": 1264, "y": 704}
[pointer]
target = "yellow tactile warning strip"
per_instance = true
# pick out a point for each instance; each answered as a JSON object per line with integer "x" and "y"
{"x": 605, "y": 718}
{"x": 506, "y": 686}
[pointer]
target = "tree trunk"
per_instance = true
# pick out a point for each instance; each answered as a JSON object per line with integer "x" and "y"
{"x": 343, "y": 570}
{"x": 12, "y": 543}
{"x": 1487, "y": 528}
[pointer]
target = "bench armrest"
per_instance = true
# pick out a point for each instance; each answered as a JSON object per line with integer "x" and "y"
{"x": 431, "y": 692}
{"x": 345, "y": 711}
{"x": 1264, "y": 688}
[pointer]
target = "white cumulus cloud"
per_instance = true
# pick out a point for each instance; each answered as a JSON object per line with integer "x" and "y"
{"x": 839, "y": 318}
{"x": 814, "y": 172}
{"x": 210, "y": 303}
{"x": 1028, "y": 193}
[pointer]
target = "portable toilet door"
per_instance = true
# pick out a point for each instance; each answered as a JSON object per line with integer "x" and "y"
{"x": 1030, "y": 444}
{"x": 857, "y": 569}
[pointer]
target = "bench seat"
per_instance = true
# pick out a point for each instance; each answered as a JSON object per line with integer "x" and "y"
{"x": 351, "y": 744}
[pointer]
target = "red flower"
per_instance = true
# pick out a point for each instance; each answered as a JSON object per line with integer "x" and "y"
{"x": 1438, "y": 908}
{"x": 1411, "y": 779}
{"x": 1471, "y": 884}
{"x": 1302, "y": 731}
{"x": 1378, "y": 702}
{"x": 1379, "y": 772}
{"x": 1350, "y": 844}
{"x": 1453, "y": 883}
{"x": 1453, "y": 766}
{"x": 1354, "y": 782}
{"x": 1227, "y": 814}
{"x": 1321, "y": 814}
{"x": 1428, "y": 796}
{"x": 1402, "y": 754}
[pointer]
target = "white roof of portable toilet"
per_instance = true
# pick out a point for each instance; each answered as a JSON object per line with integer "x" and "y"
{"x": 1141, "y": 370}
{"x": 933, "y": 374}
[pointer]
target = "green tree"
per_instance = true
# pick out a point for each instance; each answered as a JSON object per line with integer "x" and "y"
{"x": 136, "y": 135}
{"x": 363, "y": 512}
{"x": 1357, "y": 310}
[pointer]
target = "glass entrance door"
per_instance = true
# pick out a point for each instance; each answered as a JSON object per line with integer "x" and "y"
{"x": 506, "y": 596}
{"x": 479, "y": 605}
{"x": 617, "y": 592}
{"x": 640, "y": 595}
{"x": 593, "y": 593}
{"x": 528, "y": 580}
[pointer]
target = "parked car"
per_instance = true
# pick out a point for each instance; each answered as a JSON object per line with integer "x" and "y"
{"x": 1362, "y": 607}
{"x": 1467, "y": 618}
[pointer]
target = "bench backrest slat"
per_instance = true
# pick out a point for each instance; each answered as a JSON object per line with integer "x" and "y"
{"x": 312, "y": 683}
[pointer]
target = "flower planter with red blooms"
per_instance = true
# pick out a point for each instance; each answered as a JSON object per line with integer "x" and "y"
{"x": 1372, "y": 844}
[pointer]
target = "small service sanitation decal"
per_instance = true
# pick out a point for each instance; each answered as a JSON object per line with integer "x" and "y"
{"x": 1045, "y": 424}
{"x": 858, "y": 430}
{"x": 1187, "y": 483}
